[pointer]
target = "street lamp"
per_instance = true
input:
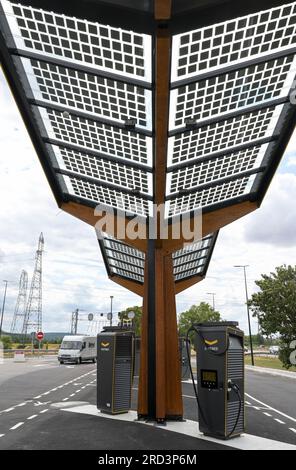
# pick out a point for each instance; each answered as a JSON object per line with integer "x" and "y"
{"x": 111, "y": 311}
{"x": 3, "y": 306}
{"x": 213, "y": 295}
{"x": 248, "y": 311}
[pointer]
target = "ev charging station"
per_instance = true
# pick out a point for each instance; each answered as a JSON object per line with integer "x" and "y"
{"x": 220, "y": 378}
{"x": 115, "y": 370}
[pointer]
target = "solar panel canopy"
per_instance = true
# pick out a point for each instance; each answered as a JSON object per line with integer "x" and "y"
{"x": 85, "y": 84}
{"x": 127, "y": 262}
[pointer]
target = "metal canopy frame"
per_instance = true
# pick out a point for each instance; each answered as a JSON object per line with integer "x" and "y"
{"x": 140, "y": 15}
{"x": 115, "y": 253}
{"x": 181, "y": 103}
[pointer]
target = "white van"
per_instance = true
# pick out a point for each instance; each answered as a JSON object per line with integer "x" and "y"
{"x": 78, "y": 349}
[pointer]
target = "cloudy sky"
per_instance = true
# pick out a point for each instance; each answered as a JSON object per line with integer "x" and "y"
{"x": 73, "y": 272}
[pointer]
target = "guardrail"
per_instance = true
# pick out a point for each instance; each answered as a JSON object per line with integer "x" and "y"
{"x": 262, "y": 353}
{"x": 28, "y": 352}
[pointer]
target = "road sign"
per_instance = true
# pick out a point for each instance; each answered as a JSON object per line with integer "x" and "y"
{"x": 109, "y": 316}
{"x": 131, "y": 315}
{"x": 90, "y": 317}
{"x": 40, "y": 335}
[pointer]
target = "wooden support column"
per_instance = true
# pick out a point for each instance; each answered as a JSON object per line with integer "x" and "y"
{"x": 143, "y": 373}
{"x": 173, "y": 384}
{"x": 160, "y": 389}
{"x": 160, "y": 394}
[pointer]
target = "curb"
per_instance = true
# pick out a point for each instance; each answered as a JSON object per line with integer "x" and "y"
{"x": 274, "y": 372}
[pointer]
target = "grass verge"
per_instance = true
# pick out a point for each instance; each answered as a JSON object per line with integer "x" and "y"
{"x": 270, "y": 362}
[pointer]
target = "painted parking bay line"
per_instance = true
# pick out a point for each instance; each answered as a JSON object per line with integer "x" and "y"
{"x": 271, "y": 408}
{"x": 279, "y": 421}
{"x": 16, "y": 426}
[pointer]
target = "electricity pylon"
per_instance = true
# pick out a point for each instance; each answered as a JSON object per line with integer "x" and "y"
{"x": 33, "y": 317}
{"x": 17, "y": 325}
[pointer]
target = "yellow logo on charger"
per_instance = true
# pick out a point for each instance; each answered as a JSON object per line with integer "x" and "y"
{"x": 105, "y": 345}
{"x": 211, "y": 343}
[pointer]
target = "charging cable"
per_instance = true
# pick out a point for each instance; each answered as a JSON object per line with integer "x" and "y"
{"x": 235, "y": 388}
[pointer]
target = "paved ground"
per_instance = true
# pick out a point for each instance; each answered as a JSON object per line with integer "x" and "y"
{"x": 29, "y": 418}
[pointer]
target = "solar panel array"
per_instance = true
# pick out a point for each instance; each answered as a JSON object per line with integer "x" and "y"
{"x": 127, "y": 262}
{"x": 230, "y": 83}
{"x": 90, "y": 87}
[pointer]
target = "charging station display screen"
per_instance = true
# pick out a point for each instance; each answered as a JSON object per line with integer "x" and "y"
{"x": 209, "y": 378}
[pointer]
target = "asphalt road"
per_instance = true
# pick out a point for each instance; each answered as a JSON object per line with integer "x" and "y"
{"x": 29, "y": 418}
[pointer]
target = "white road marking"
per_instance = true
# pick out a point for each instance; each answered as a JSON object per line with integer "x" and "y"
{"x": 2, "y": 435}
{"x": 16, "y": 426}
{"x": 293, "y": 429}
{"x": 247, "y": 402}
{"x": 43, "y": 411}
{"x": 40, "y": 403}
{"x": 52, "y": 390}
{"x": 271, "y": 408}
{"x": 72, "y": 394}
{"x": 267, "y": 414}
{"x": 32, "y": 417}
{"x": 65, "y": 399}
{"x": 190, "y": 428}
{"x": 279, "y": 421}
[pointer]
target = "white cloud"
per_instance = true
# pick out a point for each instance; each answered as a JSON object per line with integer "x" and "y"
{"x": 276, "y": 220}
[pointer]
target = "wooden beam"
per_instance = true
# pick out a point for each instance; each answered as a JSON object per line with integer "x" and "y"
{"x": 132, "y": 286}
{"x": 180, "y": 286}
{"x": 116, "y": 226}
{"x": 162, "y": 9}
{"x": 211, "y": 222}
{"x": 162, "y": 96}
